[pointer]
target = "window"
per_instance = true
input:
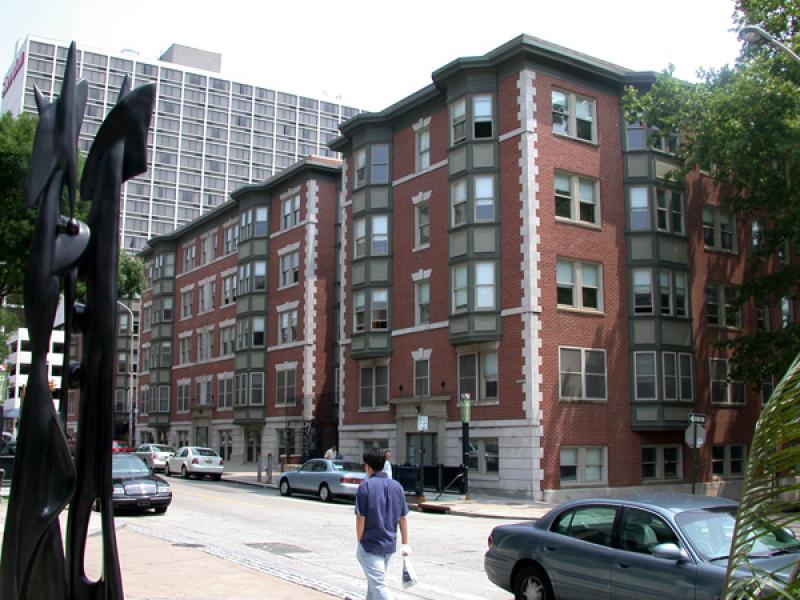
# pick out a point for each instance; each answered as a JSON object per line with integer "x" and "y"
{"x": 287, "y": 326}
{"x": 672, "y": 294}
{"x": 291, "y": 211}
{"x": 422, "y": 293}
{"x": 484, "y": 456}
{"x": 677, "y": 374}
{"x": 786, "y": 312}
{"x": 422, "y": 378}
{"x": 582, "y": 374}
{"x": 241, "y": 389}
{"x": 380, "y": 309}
{"x": 458, "y": 120}
{"x": 227, "y": 340}
{"x": 718, "y": 229}
{"x": 728, "y": 460}
{"x": 484, "y": 198}
{"x": 205, "y": 344}
{"x": 225, "y": 392}
{"x": 757, "y": 230}
{"x": 573, "y": 115}
{"x": 583, "y": 465}
{"x": 229, "y": 289}
{"x": 767, "y": 387}
{"x": 763, "y": 318}
{"x": 661, "y": 462}
{"x": 593, "y": 524}
{"x": 485, "y": 286}
{"x": 361, "y": 167}
{"x": 185, "y": 350}
{"x": 242, "y": 334}
{"x": 642, "y": 291}
{"x": 207, "y": 293}
{"x": 286, "y": 387}
{"x": 380, "y": 164}
{"x": 208, "y": 248}
{"x": 477, "y": 376}
{"x": 639, "y": 209}
{"x": 187, "y": 301}
{"x": 359, "y": 238}
{"x": 481, "y": 117}
{"x": 163, "y": 398}
{"x": 669, "y": 211}
{"x": 379, "y": 244}
{"x": 642, "y": 531}
{"x": 290, "y": 268}
{"x": 422, "y": 217}
{"x": 374, "y": 386}
{"x": 722, "y": 307}
{"x": 231, "y": 238}
{"x": 184, "y": 397}
{"x": 724, "y": 390}
{"x": 256, "y": 389}
{"x": 579, "y": 284}
{"x": 460, "y": 289}
{"x": 189, "y": 258}
{"x": 259, "y": 276}
{"x": 577, "y": 199}
{"x": 458, "y": 195}
{"x": 258, "y": 332}
{"x": 636, "y": 136}
{"x": 359, "y": 311}
{"x": 645, "y": 375}
{"x": 423, "y": 145}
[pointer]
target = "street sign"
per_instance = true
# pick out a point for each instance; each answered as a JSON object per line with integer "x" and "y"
{"x": 695, "y": 435}
{"x": 697, "y": 418}
{"x": 422, "y": 423}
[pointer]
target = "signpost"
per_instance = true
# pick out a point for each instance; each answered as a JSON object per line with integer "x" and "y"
{"x": 695, "y": 437}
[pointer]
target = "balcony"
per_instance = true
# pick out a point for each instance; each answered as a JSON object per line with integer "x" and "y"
{"x": 158, "y": 420}
{"x": 202, "y": 409}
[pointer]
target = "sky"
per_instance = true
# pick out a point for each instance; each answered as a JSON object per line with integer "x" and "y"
{"x": 370, "y": 54}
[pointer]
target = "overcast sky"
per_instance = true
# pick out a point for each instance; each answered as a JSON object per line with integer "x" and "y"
{"x": 369, "y": 53}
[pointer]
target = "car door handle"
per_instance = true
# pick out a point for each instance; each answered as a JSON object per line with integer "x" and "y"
{"x": 550, "y": 548}
{"x": 624, "y": 565}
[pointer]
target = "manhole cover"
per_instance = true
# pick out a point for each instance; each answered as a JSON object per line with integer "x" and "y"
{"x": 279, "y": 548}
{"x": 187, "y": 545}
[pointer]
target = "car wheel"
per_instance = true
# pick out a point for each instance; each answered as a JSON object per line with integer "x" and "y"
{"x": 167, "y": 472}
{"x": 532, "y": 583}
{"x": 160, "y": 510}
{"x": 285, "y": 488}
{"x": 184, "y": 472}
{"x": 325, "y": 493}
{"x": 217, "y": 477}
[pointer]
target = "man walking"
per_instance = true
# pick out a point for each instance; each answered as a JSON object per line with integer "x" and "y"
{"x": 380, "y": 508}
{"x": 387, "y": 463}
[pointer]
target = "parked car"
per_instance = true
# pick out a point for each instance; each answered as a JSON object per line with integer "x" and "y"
{"x": 652, "y": 547}
{"x": 135, "y": 486}
{"x": 155, "y": 455}
{"x": 191, "y": 460}
{"x": 119, "y": 446}
{"x": 323, "y": 477}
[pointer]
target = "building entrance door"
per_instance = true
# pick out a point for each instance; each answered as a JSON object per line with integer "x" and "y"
{"x": 421, "y": 448}
{"x": 253, "y": 446}
{"x": 201, "y": 436}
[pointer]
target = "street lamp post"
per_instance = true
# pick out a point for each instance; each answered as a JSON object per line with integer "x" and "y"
{"x": 131, "y": 401}
{"x": 466, "y": 415}
{"x": 751, "y": 33}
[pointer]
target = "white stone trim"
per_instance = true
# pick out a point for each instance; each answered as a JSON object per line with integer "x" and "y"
{"x": 291, "y": 192}
{"x": 290, "y": 248}
{"x": 183, "y": 334}
{"x": 421, "y": 124}
{"x": 227, "y": 272}
{"x": 227, "y": 323}
{"x": 421, "y": 354}
{"x": 310, "y": 301}
{"x": 187, "y": 288}
{"x": 421, "y": 275}
{"x": 286, "y": 366}
{"x": 369, "y": 428}
{"x": 510, "y": 134}
{"x": 287, "y": 306}
{"x": 185, "y": 381}
{"x": 410, "y": 176}
{"x": 418, "y": 328}
{"x": 531, "y": 275}
{"x": 421, "y": 197}
{"x": 295, "y": 344}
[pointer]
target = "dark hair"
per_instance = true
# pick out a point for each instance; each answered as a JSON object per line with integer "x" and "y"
{"x": 373, "y": 458}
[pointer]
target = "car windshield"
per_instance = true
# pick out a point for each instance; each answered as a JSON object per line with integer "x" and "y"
{"x": 128, "y": 465}
{"x": 119, "y": 444}
{"x": 711, "y": 534}
{"x": 164, "y": 449}
{"x": 204, "y": 452}
{"x": 340, "y": 465}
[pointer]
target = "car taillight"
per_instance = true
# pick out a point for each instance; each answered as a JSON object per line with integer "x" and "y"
{"x": 221, "y": 462}
{"x": 195, "y": 461}
{"x": 155, "y": 456}
{"x": 349, "y": 480}
{"x": 490, "y": 540}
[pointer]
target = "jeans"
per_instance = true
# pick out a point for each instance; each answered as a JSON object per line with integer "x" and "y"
{"x": 375, "y": 566}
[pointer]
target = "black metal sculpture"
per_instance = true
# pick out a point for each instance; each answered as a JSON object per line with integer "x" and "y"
{"x": 33, "y": 564}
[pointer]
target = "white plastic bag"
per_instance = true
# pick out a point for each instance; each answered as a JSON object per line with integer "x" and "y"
{"x": 409, "y": 573}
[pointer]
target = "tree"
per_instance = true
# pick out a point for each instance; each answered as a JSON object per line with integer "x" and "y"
{"x": 131, "y": 275}
{"x": 741, "y": 125}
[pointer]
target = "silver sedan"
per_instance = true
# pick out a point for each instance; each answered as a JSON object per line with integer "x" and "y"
{"x": 155, "y": 455}
{"x": 325, "y": 478}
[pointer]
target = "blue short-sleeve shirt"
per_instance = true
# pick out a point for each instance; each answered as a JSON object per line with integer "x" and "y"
{"x": 382, "y": 501}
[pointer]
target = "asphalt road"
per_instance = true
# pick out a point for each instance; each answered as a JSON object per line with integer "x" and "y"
{"x": 307, "y": 541}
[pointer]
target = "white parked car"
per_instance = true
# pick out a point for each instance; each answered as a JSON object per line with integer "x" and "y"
{"x": 191, "y": 460}
{"x": 155, "y": 455}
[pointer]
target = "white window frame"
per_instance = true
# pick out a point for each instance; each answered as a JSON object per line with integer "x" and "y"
{"x": 374, "y": 309}
{"x": 712, "y": 223}
{"x": 373, "y": 405}
{"x": 478, "y": 453}
{"x": 290, "y": 269}
{"x": 729, "y": 395}
{"x": 660, "y": 462}
{"x": 482, "y": 118}
{"x": 282, "y": 387}
{"x": 287, "y": 326}
{"x": 359, "y": 310}
{"x": 455, "y": 292}
{"x": 379, "y": 235}
{"x": 727, "y": 461}
{"x": 577, "y": 267}
{"x": 577, "y": 199}
{"x": 483, "y": 198}
{"x": 422, "y": 145}
{"x": 359, "y": 237}
{"x": 422, "y": 379}
{"x": 726, "y": 295}
{"x": 481, "y": 379}
{"x": 419, "y": 226}
{"x": 679, "y": 375}
{"x": 665, "y": 206}
{"x": 581, "y": 464}
{"x": 459, "y": 202}
{"x": 639, "y": 208}
{"x": 637, "y": 376}
{"x": 419, "y": 286}
{"x": 571, "y": 114}
{"x": 290, "y": 211}
{"x": 584, "y": 353}
{"x": 643, "y": 280}
{"x": 458, "y": 117}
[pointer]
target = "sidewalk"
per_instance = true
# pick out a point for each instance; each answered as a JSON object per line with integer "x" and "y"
{"x": 478, "y": 505}
{"x": 155, "y": 569}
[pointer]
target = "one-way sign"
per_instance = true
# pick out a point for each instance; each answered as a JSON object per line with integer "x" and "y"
{"x": 697, "y": 418}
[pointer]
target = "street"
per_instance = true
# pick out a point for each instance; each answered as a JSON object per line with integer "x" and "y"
{"x": 305, "y": 541}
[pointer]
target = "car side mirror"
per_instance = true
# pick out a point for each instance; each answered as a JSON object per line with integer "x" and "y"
{"x": 670, "y": 552}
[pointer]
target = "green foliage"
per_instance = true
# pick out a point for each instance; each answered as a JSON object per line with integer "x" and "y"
{"x": 9, "y": 323}
{"x": 742, "y": 126}
{"x": 131, "y": 275}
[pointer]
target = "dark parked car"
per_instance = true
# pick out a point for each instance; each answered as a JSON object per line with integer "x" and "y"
{"x": 649, "y": 548}
{"x": 326, "y": 478}
{"x": 136, "y": 487}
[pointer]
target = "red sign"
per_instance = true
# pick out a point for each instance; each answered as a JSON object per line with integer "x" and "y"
{"x": 13, "y": 72}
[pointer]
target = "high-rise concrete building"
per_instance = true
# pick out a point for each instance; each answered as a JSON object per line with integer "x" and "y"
{"x": 209, "y": 136}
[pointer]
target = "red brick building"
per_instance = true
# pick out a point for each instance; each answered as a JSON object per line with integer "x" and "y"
{"x": 237, "y": 336}
{"x": 507, "y": 235}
